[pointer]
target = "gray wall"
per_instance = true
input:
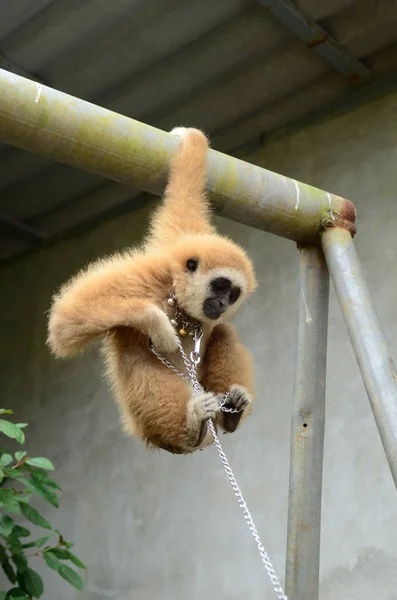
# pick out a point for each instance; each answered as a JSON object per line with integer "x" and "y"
{"x": 157, "y": 526}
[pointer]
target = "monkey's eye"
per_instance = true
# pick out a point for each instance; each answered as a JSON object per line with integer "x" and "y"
{"x": 192, "y": 265}
{"x": 234, "y": 295}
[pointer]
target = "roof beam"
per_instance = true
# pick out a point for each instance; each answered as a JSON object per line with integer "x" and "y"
{"x": 350, "y": 100}
{"x": 32, "y": 232}
{"x": 319, "y": 40}
{"x": 11, "y": 66}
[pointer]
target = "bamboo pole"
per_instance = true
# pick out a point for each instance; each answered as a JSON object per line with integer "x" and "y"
{"x": 44, "y": 121}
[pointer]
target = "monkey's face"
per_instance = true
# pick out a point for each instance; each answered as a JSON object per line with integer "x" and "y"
{"x": 212, "y": 276}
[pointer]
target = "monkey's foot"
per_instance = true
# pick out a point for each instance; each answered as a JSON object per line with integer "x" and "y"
{"x": 239, "y": 399}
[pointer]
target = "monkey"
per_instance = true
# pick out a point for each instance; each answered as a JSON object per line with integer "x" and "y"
{"x": 133, "y": 301}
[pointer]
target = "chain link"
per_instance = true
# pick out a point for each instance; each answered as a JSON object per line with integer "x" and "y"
{"x": 191, "y": 368}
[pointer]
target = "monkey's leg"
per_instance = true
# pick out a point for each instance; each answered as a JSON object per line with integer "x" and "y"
{"x": 228, "y": 368}
{"x": 156, "y": 404}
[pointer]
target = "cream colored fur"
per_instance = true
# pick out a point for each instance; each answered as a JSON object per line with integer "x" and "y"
{"x": 122, "y": 301}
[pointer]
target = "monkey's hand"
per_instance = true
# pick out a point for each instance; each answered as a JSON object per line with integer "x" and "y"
{"x": 161, "y": 333}
{"x": 239, "y": 399}
{"x": 199, "y": 410}
{"x": 190, "y": 134}
{"x": 179, "y": 131}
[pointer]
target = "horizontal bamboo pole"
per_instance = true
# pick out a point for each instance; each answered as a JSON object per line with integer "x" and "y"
{"x": 47, "y": 122}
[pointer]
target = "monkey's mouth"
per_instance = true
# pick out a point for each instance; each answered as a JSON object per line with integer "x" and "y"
{"x": 213, "y": 308}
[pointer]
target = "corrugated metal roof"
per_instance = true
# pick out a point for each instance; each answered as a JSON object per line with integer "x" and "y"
{"x": 228, "y": 66}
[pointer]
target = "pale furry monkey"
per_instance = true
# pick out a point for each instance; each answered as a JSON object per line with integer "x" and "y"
{"x": 123, "y": 301}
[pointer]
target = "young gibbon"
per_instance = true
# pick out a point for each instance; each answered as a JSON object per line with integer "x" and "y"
{"x": 183, "y": 273}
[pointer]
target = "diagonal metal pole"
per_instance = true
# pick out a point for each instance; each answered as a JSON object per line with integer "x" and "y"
{"x": 307, "y": 435}
{"x": 369, "y": 343}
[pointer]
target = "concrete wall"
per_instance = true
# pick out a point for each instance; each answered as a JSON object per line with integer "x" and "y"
{"x": 157, "y": 526}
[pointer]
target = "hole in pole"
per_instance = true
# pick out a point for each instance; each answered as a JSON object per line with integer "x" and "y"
{"x": 304, "y": 424}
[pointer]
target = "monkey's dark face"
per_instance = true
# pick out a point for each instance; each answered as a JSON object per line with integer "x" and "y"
{"x": 222, "y": 295}
{"x": 212, "y": 278}
{"x": 210, "y": 294}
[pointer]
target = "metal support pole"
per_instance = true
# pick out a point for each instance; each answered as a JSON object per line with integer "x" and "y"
{"x": 369, "y": 344}
{"x": 307, "y": 435}
{"x": 38, "y": 119}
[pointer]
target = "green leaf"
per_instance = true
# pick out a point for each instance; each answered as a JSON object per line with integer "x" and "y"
{"x": 20, "y": 531}
{"x": 2, "y": 595}
{"x": 12, "y": 430}
{"x": 1, "y": 475}
{"x": 76, "y": 561}
{"x": 41, "y": 541}
{"x": 6, "y": 411}
{"x": 22, "y": 425}
{"x": 5, "y": 460}
{"x": 16, "y": 594}
{"x": 20, "y": 562}
{"x": 6, "y": 525}
{"x": 42, "y": 477}
{"x": 20, "y": 455}
{"x": 60, "y": 553}
{"x": 41, "y": 463}
{"x": 8, "y": 499}
{"x": 14, "y": 543}
{"x": 44, "y": 492}
{"x": 71, "y": 577}
{"x": 67, "y": 555}
{"x": 22, "y": 479}
{"x": 33, "y": 583}
{"x": 52, "y": 561}
{"x": 37, "y": 543}
{"x": 13, "y": 473}
{"x": 8, "y": 570}
{"x": 34, "y": 516}
{"x": 24, "y": 497}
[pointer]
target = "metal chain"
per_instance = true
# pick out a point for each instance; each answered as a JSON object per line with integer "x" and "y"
{"x": 191, "y": 368}
{"x": 247, "y": 516}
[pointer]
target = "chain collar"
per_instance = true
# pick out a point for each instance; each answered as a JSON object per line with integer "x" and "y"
{"x": 185, "y": 325}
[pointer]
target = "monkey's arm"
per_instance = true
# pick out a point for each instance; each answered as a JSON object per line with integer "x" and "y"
{"x": 185, "y": 208}
{"x": 100, "y": 299}
{"x": 228, "y": 367}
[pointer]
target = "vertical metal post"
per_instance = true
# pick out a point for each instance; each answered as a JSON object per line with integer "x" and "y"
{"x": 369, "y": 344}
{"x": 307, "y": 435}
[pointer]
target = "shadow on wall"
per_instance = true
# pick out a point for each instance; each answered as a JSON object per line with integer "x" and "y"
{"x": 373, "y": 574}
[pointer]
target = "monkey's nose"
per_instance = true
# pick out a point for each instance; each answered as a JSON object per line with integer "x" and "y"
{"x": 221, "y": 284}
